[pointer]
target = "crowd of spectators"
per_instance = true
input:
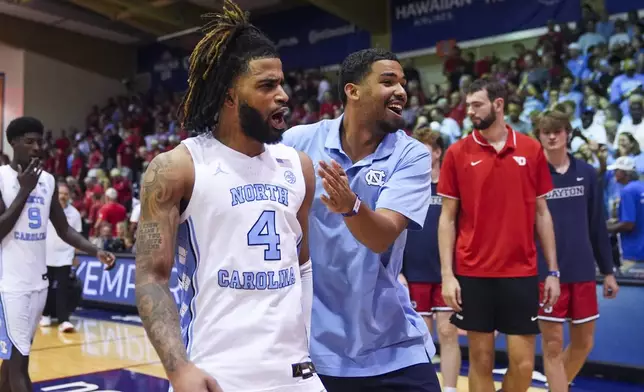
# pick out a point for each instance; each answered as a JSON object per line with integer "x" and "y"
{"x": 594, "y": 72}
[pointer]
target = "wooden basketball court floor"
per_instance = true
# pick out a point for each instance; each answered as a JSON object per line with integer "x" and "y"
{"x": 104, "y": 356}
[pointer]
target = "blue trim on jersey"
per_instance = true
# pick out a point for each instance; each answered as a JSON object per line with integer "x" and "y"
{"x": 195, "y": 286}
{"x": 6, "y": 343}
{"x": 185, "y": 240}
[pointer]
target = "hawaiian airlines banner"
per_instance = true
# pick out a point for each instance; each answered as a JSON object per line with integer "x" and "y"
{"x": 420, "y": 24}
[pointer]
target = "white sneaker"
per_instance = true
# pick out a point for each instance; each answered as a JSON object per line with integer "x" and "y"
{"x": 45, "y": 321}
{"x": 66, "y": 327}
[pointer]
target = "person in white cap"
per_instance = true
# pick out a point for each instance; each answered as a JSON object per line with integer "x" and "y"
{"x": 630, "y": 214}
{"x": 111, "y": 212}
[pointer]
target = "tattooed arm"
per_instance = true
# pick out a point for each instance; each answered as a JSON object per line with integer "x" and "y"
{"x": 167, "y": 180}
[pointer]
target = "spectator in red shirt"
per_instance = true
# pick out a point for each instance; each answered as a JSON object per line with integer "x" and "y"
{"x": 95, "y": 204}
{"x": 95, "y": 160}
{"x": 454, "y": 67}
{"x": 457, "y": 109}
{"x": 63, "y": 141}
{"x": 92, "y": 187}
{"x": 123, "y": 187}
{"x": 328, "y": 106}
{"x": 552, "y": 37}
{"x": 111, "y": 212}
{"x": 483, "y": 66}
{"x": 494, "y": 183}
{"x": 125, "y": 154}
{"x": 60, "y": 164}
{"x": 50, "y": 163}
{"x": 311, "y": 112}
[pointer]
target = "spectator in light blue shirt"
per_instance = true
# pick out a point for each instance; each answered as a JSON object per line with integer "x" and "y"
{"x": 577, "y": 62}
{"x": 605, "y": 26}
{"x": 625, "y": 85}
{"x": 513, "y": 119}
{"x": 630, "y": 218}
{"x": 373, "y": 184}
{"x": 566, "y": 93}
{"x": 590, "y": 37}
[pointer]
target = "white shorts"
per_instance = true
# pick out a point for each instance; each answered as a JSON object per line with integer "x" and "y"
{"x": 20, "y": 314}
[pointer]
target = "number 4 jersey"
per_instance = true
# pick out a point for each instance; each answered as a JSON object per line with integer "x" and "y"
{"x": 237, "y": 262}
{"x": 23, "y": 251}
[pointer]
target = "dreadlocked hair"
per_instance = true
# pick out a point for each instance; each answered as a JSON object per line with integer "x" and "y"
{"x": 229, "y": 44}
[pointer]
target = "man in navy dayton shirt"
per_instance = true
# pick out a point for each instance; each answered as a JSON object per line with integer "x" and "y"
{"x": 577, "y": 208}
{"x": 422, "y": 270}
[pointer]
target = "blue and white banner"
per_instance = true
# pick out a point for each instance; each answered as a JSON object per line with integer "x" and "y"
{"x": 308, "y": 37}
{"x": 618, "y": 6}
{"x": 421, "y": 24}
{"x": 115, "y": 286}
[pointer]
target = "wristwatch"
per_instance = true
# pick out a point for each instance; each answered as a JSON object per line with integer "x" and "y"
{"x": 556, "y": 274}
{"x": 356, "y": 208}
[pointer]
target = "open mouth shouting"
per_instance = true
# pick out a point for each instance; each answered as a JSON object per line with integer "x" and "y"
{"x": 278, "y": 118}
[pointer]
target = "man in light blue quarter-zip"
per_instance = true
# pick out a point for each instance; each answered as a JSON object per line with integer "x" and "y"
{"x": 373, "y": 183}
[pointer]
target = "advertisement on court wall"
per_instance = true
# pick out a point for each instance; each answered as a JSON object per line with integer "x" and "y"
{"x": 306, "y": 37}
{"x": 116, "y": 286}
{"x": 421, "y": 24}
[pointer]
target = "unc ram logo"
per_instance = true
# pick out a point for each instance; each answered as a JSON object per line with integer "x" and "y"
{"x": 375, "y": 177}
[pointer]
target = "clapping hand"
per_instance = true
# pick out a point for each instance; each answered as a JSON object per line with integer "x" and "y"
{"x": 341, "y": 198}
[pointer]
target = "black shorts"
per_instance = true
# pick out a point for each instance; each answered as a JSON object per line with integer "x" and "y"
{"x": 507, "y": 305}
{"x": 416, "y": 378}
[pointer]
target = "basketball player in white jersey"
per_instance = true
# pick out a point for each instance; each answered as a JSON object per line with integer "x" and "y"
{"x": 29, "y": 198}
{"x": 233, "y": 205}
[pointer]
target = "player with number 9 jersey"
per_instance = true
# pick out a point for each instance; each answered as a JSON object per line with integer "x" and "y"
{"x": 26, "y": 242}
{"x": 26, "y": 207}
{"x": 23, "y": 269}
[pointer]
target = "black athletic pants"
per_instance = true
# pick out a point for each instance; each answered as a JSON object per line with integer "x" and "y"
{"x": 59, "y": 294}
{"x": 415, "y": 378}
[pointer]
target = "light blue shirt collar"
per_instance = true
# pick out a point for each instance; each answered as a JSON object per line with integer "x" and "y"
{"x": 334, "y": 142}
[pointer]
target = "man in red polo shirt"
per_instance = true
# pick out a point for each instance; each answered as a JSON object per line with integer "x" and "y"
{"x": 493, "y": 185}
